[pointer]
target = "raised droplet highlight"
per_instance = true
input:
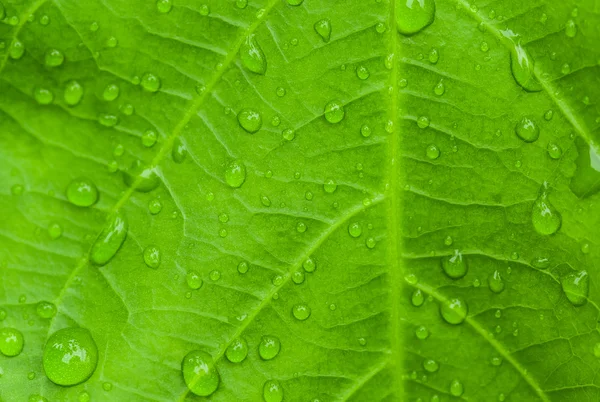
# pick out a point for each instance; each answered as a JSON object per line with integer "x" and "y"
{"x": 334, "y": 111}
{"x": 527, "y": 130}
{"x": 272, "y": 391}
{"x": 73, "y": 93}
{"x": 454, "y": 311}
{"x": 495, "y": 282}
{"x": 269, "y": 347}
{"x": 11, "y": 341}
{"x": 545, "y": 218}
{"x": 82, "y": 192}
{"x": 237, "y": 351}
{"x": 110, "y": 239}
{"x": 252, "y": 55}
{"x": 576, "y": 286}
{"x": 140, "y": 177}
{"x": 235, "y": 174}
{"x": 250, "y": 120}
{"x": 323, "y": 28}
{"x": 70, "y": 356}
{"x": 199, "y": 373}
{"x": 455, "y": 266}
{"x": 413, "y": 16}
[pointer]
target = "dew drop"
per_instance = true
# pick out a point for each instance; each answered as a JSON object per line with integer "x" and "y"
{"x": 527, "y": 130}
{"x": 43, "y": 96}
{"x": 548, "y": 115}
{"x": 323, "y": 28}
{"x": 242, "y": 267}
{"x": 193, "y": 280}
{"x": 417, "y": 298}
{"x": 235, "y": 174}
{"x": 252, "y": 55}
{"x": 521, "y": 66}
{"x": 204, "y": 10}
{"x": 164, "y": 6}
{"x": 82, "y": 192}
{"x": 149, "y": 138}
{"x": 439, "y": 89}
{"x": 431, "y": 365}
{"x": 432, "y": 152}
{"x": 554, "y": 150}
{"x": 241, "y": 3}
{"x": 45, "y": 309}
{"x": 108, "y": 120}
{"x": 199, "y": 373}
{"x": 434, "y": 56}
{"x": 150, "y": 82}
{"x": 298, "y": 277}
{"x": 70, "y": 356}
{"x": 288, "y": 134}
{"x": 17, "y": 49}
{"x": 265, "y": 200}
{"x": 73, "y": 93}
{"x": 496, "y": 282}
{"x": 295, "y": 2}
{"x": 11, "y": 341}
{"x": 179, "y": 150}
{"x": 110, "y": 239}
{"x": 111, "y": 92}
{"x": 237, "y": 351}
{"x": 334, "y": 111}
{"x": 413, "y": 16}
{"x": 454, "y": 311}
{"x": 269, "y": 347}
{"x": 570, "y": 29}
{"x": 423, "y": 122}
{"x": 152, "y": 256}
{"x": 214, "y": 275}
{"x": 250, "y": 120}
{"x": 301, "y": 312}
{"x": 54, "y": 230}
{"x": 142, "y": 177}
{"x": 362, "y": 72}
{"x": 355, "y": 229}
{"x": 272, "y": 391}
{"x": 54, "y": 58}
{"x": 309, "y": 265}
{"x": 329, "y": 186}
{"x": 456, "y": 388}
{"x": 455, "y": 266}
{"x": 301, "y": 227}
{"x": 422, "y": 332}
{"x": 155, "y": 206}
{"x": 370, "y": 242}
{"x": 545, "y": 218}
{"x": 576, "y": 286}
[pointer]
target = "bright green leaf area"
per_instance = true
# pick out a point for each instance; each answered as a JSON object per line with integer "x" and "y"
{"x": 299, "y": 200}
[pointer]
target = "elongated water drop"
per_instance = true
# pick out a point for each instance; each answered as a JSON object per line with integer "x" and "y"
{"x": 82, "y": 192}
{"x": 269, "y": 347}
{"x": 144, "y": 178}
{"x": 576, "y": 286}
{"x": 199, "y": 373}
{"x": 570, "y": 29}
{"x": 73, "y": 93}
{"x": 11, "y": 341}
{"x": 334, "y": 111}
{"x": 272, "y": 391}
{"x": 54, "y": 58}
{"x": 235, "y": 174}
{"x": 527, "y": 130}
{"x": 250, "y": 120}
{"x": 496, "y": 282}
{"x": 417, "y": 298}
{"x": 455, "y": 266}
{"x": 323, "y": 28}
{"x": 179, "y": 151}
{"x": 586, "y": 180}
{"x": 521, "y": 66}
{"x": 252, "y": 56}
{"x": 545, "y": 218}
{"x": 70, "y": 356}
{"x": 454, "y": 311}
{"x": 16, "y": 50}
{"x": 456, "y": 388}
{"x": 414, "y": 15}
{"x": 152, "y": 256}
{"x": 237, "y": 351}
{"x": 110, "y": 239}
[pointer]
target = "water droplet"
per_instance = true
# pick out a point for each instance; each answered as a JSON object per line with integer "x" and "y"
{"x": 576, "y": 286}
{"x": 164, "y": 6}
{"x": 84, "y": 396}
{"x": 423, "y": 122}
{"x": 272, "y": 391}
{"x": 237, "y": 351}
{"x": 280, "y": 92}
{"x": 241, "y": 3}
{"x": 235, "y": 174}
{"x": 265, "y": 200}
{"x": 179, "y": 150}
{"x": 150, "y": 82}
{"x": 554, "y": 150}
{"x": 422, "y": 332}
{"x": 250, "y": 120}
{"x": 370, "y": 242}
{"x": 149, "y": 138}
{"x": 252, "y": 55}
{"x": 355, "y": 229}
{"x": 586, "y": 180}
{"x": 455, "y": 266}
{"x": 70, "y": 356}
{"x": 54, "y": 58}
{"x": 242, "y": 267}
{"x": 73, "y": 93}
{"x": 334, "y": 111}
{"x": 301, "y": 311}
{"x": 214, "y": 275}
{"x": 548, "y": 115}
{"x": 45, "y": 309}
{"x": 522, "y": 69}
{"x": 417, "y": 298}
{"x": 323, "y": 28}
{"x": 141, "y": 177}
{"x": 329, "y": 186}
{"x": 11, "y": 341}
{"x": 110, "y": 239}
{"x": 362, "y": 72}
{"x": 43, "y": 96}
{"x": 570, "y": 29}
{"x": 413, "y": 16}
{"x": 193, "y": 280}
{"x": 154, "y": 206}
{"x": 54, "y": 230}
{"x": 496, "y": 361}
{"x": 432, "y": 152}
{"x": 431, "y": 365}
{"x": 308, "y": 195}
{"x": 456, "y": 388}
{"x": 597, "y": 350}
{"x": 17, "y": 49}
{"x": 301, "y": 227}
{"x": 454, "y": 311}
{"x": 37, "y": 398}
{"x": 107, "y": 119}
{"x": 434, "y": 56}
{"x": 298, "y": 277}
{"x": 288, "y": 134}
{"x": 527, "y": 130}
{"x": 199, "y": 373}
{"x": 82, "y": 192}
{"x": 309, "y": 265}
{"x": 111, "y": 92}
{"x": 484, "y": 47}
{"x": 269, "y": 347}
{"x": 439, "y": 89}
{"x": 152, "y": 256}
{"x": 496, "y": 282}
{"x": 545, "y": 218}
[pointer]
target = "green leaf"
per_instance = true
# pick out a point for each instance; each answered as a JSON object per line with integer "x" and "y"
{"x": 245, "y": 200}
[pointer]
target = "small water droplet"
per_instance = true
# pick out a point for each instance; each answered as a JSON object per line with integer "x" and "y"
{"x": 272, "y": 390}
{"x": 141, "y": 177}
{"x": 204, "y": 10}
{"x": 11, "y": 341}
{"x": 329, "y": 186}
{"x": 439, "y": 89}
{"x": 155, "y": 206}
{"x": 242, "y": 267}
{"x": 362, "y": 72}
{"x": 73, "y": 93}
{"x": 554, "y": 150}
{"x": 241, "y": 4}
{"x": 309, "y": 265}
{"x": 107, "y": 119}
{"x": 235, "y": 174}
{"x": 545, "y": 218}
{"x": 370, "y": 242}
{"x": 150, "y": 82}
{"x": 152, "y": 256}
{"x": 45, "y": 309}
{"x": 570, "y": 29}
{"x": 323, "y": 29}
{"x": 423, "y": 122}
{"x": 149, "y": 138}
{"x": 199, "y": 373}
{"x": 455, "y": 266}
{"x": 70, "y": 356}
{"x": 422, "y": 332}
{"x": 252, "y": 55}
{"x": 417, "y": 298}
{"x": 54, "y": 58}
{"x": 414, "y": 16}
{"x": 214, "y": 275}
{"x": 496, "y": 282}
{"x": 250, "y": 120}
{"x": 301, "y": 312}
{"x": 82, "y": 192}
{"x": 432, "y": 152}
{"x": 431, "y": 365}
{"x": 193, "y": 280}
{"x": 237, "y": 351}
{"x": 456, "y": 388}
{"x": 434, "y": 56}
{"x": 576, "y": 286}
{"x": 355, "y": 229}
{"x": 17, "y": 49}
{"x": 269, "y": 347}
{"x": 527, "y": 130}
{"x": 43, "y": 96}
{"x": 298, "y": 277}
{"x": 110, "y": 239}
{"x": 164, "y": 6}
{"x": 334, "y": 111}
{"x": 454, "y": 311}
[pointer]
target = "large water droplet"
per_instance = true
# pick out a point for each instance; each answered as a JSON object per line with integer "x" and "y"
{"x": 82, "y": 192}
{"x": 521, "y": 66}
{"x": 586, "y": 180}
{"x": 301, "y": 311}
{"x": 456, "y": 388}
{"x": 334, "y": 111}
{"x": 73, "y": 93}
{"x": 111, "y": 92}
{"x": 496, "y": 282}
{"x": 250, "y": 120}
{"x": 272, "y": 391}
{"x": 455, "y": 266}
{"x": 417, "y": 298}
{"x": 527, "y": 130}
{"x": 235, "y": 174}
{"x": 545, "y": 218}
{"x": 199, "y": 373}
{"x": 70, "y": 356}
{"x": 354, "y": 229}
{"x": 576, "y": 286}
{"x": 11, "y": 341}
{"x": 414, "y": 15}
{"x": 237, "y": 351}
{"x": 252, "y": 56}
{"x": 110, "y": 240}
{"x": 144, "y": 178}
{"x": 323, "y": 28}
{"x": 454, "y": 311}
{"x": 269, "y": 347}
